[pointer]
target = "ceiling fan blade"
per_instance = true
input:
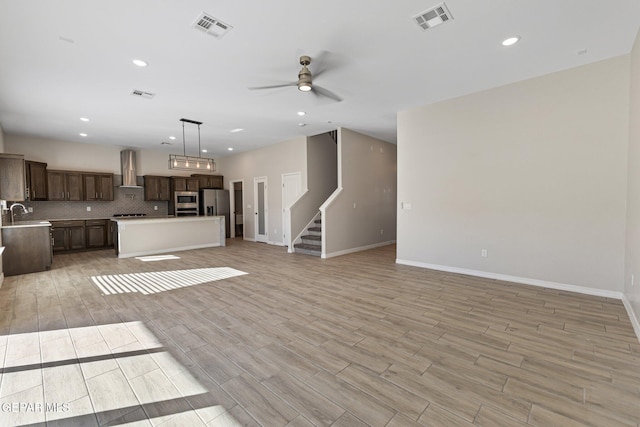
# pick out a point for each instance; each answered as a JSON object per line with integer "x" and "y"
{"x": 320, "y": 63}
{"x": 325, "y": 92}
{"x": 273, "y": 86}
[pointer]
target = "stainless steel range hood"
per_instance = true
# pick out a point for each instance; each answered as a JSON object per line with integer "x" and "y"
{"x": 128, "y": 167}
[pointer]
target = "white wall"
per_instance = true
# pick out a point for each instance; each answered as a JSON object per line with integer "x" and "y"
{"x": 364, "y": 204}
{"x": 632, "y": 265}
{"x": 271, "y": 161}
{"x": 87, "y": 157}
{"x": 535, "y": 172}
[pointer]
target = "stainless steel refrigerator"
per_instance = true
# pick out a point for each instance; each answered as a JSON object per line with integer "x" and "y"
{"x": 216, "y": 203}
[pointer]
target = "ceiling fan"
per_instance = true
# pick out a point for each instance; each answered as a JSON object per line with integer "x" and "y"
{"x": 305, "y": 83}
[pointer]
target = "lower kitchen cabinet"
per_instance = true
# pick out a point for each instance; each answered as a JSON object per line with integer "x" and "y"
{"x": 27, "y": 249}
{"x": 79, "y": 235}
{"x": 96, "y": 230}
{"x": 68, "y": 235}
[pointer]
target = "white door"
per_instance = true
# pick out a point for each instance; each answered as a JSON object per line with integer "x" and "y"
{"x": 260, "y": 205}
{"x": 291, "y": 189}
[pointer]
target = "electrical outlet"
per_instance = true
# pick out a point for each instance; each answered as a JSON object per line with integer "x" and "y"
{"x": 155, "y": 208}
{"x": 88, "y": 208}
{"x": 484, "y": 253}
{"x": 381, "y": 231}
{"x": 354, "y": 206}
{"x": 30, "y": 209}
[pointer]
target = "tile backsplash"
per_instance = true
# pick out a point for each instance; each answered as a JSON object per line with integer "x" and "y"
{"x": 125, "y": 201}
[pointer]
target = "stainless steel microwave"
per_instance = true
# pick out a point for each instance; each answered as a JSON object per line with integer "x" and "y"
{"x": 186, "y": 203}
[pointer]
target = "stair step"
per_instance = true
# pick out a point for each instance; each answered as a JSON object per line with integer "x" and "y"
{"x": 302, "y": 248}
{"x": 318, "y": 221}
{"x": 313, "y": 238}
{"x": 316, "y": 229}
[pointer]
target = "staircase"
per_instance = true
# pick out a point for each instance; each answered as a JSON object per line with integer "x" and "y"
{"x": 312, "y": 241}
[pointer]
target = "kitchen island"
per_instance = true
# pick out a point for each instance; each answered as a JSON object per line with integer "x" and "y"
{"x": 139, "y": 237}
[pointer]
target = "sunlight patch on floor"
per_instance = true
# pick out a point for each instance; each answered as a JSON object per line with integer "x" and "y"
{"x": 160, "y": 281}
{"x": 112, "y": 374}
{"x": 156, "y": 258}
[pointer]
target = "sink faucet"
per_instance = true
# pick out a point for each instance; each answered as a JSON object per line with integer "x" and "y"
{"x": 24, "y": 210}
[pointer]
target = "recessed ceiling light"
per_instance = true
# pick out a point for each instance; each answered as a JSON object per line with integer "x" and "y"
{"x": 139, "y": 62}
{"x": 230, "y": 148}
{"x": 236, "y": 130}
{"x": 172, "y": 137}
{"x": 204, "y": 150}
{"x": 84, "y": 119}
{"x": 511, "y": 41}
{"x": 302, "y": 124}
{"x": 301, "y": 113}
{"x": 83, "y": 135}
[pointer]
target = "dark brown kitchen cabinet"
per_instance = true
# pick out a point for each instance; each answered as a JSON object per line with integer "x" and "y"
{"x": 12, "y": 177}
{"x": 96, "y": 230}
{"x": 184, "y": 183}
{"x": 36, "y": 180}
{"x": 157, "y": 188}
{"x": 209, "y": 181}
{"x": 27, "y": 249}
{"x": 98, "y": 186}
{"x": 64, "y": 185}
{"x": 68, "y": 235}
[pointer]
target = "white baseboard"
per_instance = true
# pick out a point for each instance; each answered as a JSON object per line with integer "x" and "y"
{"x": 1, "y": 279}
{"x": 535, "y": 282}
{"x": 632, "y": 315}
{"x": 358, "y": 249}
{"x": 516, "y": 279}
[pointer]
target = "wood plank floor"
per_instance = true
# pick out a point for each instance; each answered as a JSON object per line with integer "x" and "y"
{"x": 251, "y": 335}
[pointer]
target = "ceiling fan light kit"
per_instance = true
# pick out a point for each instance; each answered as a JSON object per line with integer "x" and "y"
{"x": 191, "y": 163}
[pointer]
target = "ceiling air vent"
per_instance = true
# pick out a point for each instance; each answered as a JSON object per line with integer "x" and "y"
{"x": 142, "y": 94}
{"x": 211, "y": 25}
{"x": 433, "y": 17}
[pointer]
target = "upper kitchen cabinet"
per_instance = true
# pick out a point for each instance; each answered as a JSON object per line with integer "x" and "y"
{"x": 157, "y": 188}
{"x": 12, "y": 177}
{"x": 98, "y": 186}
{"x": 209, "y": 181}
{"x": 185, "y": 183}
{"x": 64, "y": 185}
{"x": 36, "y": 180}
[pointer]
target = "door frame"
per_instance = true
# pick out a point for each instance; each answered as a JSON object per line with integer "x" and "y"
{"x": 232, "y": 204}
{"x": 258, "y": 237}
{"x": 286, "y": 210}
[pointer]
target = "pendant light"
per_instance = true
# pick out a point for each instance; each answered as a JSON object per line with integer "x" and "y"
{"x": 191, "y": 163}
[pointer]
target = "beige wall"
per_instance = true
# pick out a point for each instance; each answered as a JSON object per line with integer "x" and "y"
{"x": 271, "y": 161}
{"x": 87, "y": 157}
{"x": 361, "y": 214}
{"x": 1, "y": 151}
{"x": 1, "y": 140}
{"x": 632, "y": 265}
{"x": 322, "y": 180}
{"x": 535, "y": 172}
